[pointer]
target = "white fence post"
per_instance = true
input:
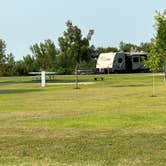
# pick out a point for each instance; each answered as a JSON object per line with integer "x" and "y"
{"x": 43, "y": 78}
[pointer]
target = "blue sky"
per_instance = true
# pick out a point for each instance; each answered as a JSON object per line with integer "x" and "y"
{"x": 25, "y": 22}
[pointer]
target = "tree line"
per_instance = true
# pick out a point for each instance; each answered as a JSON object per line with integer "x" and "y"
{"x": 63, "y": 60}
{"x": 74, "y": 52}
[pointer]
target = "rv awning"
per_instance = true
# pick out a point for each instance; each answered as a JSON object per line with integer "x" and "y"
{"x": 105, "y": 60}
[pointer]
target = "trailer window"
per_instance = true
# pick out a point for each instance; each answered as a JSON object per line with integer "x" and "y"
{"x": 135, "y": 59}
{"x": 120, "y": 60}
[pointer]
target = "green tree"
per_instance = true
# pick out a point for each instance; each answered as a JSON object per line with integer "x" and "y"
{"x": 128, "y": 47}
{"x": 145, "y": 47}
{"x": 74, "y": 47}
{"x": 157, "y": 56}
{"x": 20, "y": 68}
{"x": 45, "y": 55}
{"x": 153, "y": 62}
{"x": 30, "y": 63}
{"x": 9, "y": 66}
{"x": 2, "y": 56}
{"x": 100, "y": 50}
{"x": 160, "y": 39}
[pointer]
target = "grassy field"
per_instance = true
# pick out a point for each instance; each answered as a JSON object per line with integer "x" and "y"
{"x": 113, "y": 122}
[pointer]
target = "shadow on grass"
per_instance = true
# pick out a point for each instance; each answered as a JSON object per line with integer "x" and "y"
{"x": 68, "y": 81}
{"x": 17, "y": 91}
{"x": 48, "y": 81}
{"x": 16, "y": 82}
{"x": 132, "y": 85}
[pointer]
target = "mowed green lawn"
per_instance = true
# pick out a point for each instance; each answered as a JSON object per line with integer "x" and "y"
{"x": 112, "y": 122}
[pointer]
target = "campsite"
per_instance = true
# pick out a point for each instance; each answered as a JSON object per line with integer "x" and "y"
{"x": 109, "y": 122}
{"x": 82, "y": 83}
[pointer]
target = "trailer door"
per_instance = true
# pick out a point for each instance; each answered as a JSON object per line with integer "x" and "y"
{"x": 128, "y": 62}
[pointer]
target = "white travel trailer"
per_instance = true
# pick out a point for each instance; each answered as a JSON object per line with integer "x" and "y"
{"x": 137, "y": 61}
{"x": 121, "y": 62}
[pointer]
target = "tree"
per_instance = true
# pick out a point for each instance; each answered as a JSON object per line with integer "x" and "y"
{"x": 128, "y": 47}
{"x": 30, "y": 63}
{"x": 100, "y": 50}
{"x": 153, "y": 62}
{"x": 157, "y": 56}
{"x": 45, "y": 55}
{"x": 2, "y": 56}
{"x": 9, "y": 66}
{"x": 145, "y": 47}
{"x": 20, "y": 68}
{"x": 74, "y": 47}
{"x": 160, "y": 39}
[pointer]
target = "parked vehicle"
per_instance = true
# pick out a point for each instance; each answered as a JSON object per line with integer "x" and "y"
{"x": 121, "y": 62}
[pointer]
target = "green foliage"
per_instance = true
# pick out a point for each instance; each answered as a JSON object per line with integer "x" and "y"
{"x": 153, "y": 60}
{"x": 30, "y": 63}
{"x": 145, "y": 47}
{"x": 2, "y": 50}
{"x": 160, "y": 37}
{"x": 2, "y": 56}
{"x": 45, "y": 55}
{"x": 74, "y": 47}
{"x": 100, "y": 50}
{"x": 20, "y": 68}
{"x": 7, "y": 62}
{"x": 9, "y": 67}
{"x": 157, "y": 54}
{"x": 128, "y": 47}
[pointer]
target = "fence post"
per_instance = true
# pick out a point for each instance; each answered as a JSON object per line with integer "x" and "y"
{"x": 43, "y": 78}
